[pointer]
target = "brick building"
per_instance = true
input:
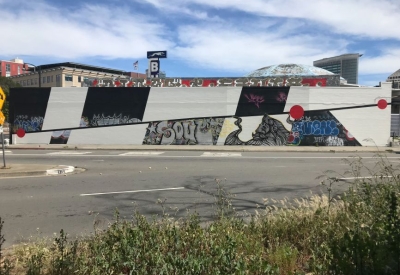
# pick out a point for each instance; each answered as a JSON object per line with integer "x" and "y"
{"x": 12, "y": 67}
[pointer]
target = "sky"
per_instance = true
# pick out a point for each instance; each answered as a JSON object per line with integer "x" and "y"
{"x": 203, "y": 38}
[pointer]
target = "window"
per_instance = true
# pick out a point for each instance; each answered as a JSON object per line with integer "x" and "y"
{"x": 24, "y": 83}
{"x": 51, "y": 79}
{"x": 19, "y": 70}
{"x": 79, "y": 79}
{"x": 44, "y": 79}
{"x": 8, "y": 68}
{"x": 68, "y": 77}
{"x": 48, "y": 79}
{"x": 35, "y": 81}
{"x": 58, "y": 78}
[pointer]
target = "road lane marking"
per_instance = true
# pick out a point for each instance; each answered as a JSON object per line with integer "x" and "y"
{"x": 361, "y": 178}
{"x": 135, "y": 191}
{"x": 201, "y": 156}
{"x": 213, "y": 154}
{"x": 7, "y": 152}
{"x": 139, "y": 153}
{"x": 68, "y": 153}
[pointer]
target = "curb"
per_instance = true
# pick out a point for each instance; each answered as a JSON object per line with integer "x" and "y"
{"x": 61, "y": 170}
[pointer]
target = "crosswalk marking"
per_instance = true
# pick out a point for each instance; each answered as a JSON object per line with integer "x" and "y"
{"x": 141, "y": 153}
{"x": 216, "y": 154}
{"x": 68, "y": 153}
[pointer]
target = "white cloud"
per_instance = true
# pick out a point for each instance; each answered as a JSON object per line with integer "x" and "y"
{"x": 371, "y": 18}
{"x": 110, "y": 32}
{"x": 230, "y": 49}
{"x": 275, "y": 32}
{"x": 387, "y": 63}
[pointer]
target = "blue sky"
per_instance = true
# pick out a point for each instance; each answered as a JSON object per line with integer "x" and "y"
{"x": 204, "y": 38}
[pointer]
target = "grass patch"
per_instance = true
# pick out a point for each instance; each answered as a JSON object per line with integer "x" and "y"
{"x": 356, "y": 233}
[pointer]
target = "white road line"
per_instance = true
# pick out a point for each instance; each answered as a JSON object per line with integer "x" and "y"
{"x": 68, "y": 153}
{"x": 7, "y": 152}
{"x": 135, "y": 191}
{"x": 354, "y": 178}
{"x": 212, "y": 154}
{"x": 202, "y": 156}
{"x": 140, "y": 153}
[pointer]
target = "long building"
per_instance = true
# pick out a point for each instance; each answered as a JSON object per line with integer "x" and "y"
{"x": 345, "y": 65}
{"x": 68, "y": 74}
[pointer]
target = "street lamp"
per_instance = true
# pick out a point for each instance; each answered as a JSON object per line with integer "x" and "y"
{"x": 34, "y": 70}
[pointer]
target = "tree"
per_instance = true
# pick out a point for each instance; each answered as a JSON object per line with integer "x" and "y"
{"x": 7, "y": 83}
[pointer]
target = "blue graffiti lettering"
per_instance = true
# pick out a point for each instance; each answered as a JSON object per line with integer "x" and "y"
{"x": 315, "y": 128}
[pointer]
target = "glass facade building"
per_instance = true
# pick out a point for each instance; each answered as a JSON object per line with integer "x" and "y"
{"x": 345, "y": 65}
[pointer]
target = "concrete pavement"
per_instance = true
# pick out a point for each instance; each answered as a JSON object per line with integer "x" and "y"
{"x": 369, "y": 149}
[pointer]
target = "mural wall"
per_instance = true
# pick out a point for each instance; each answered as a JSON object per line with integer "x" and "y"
{"x": 230, "y": 116}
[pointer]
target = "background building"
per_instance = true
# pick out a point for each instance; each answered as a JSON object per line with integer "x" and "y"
{"x": 345, "y": 65}
{"x": 395, "y": 79}
{"x": 69, "y": 74}
{"x": 297, "y": 75}
{"x": 12, "y": 67}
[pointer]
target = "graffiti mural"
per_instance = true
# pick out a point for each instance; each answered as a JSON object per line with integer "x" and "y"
{"x": 257, "y": 101}
{"x": 60, "y": 137}
{"x": 319, "y": 128}
{"x": 28, "y": 109}
{"x": 113, "y": 106}
{"x": 102, "y": 120}
{"x": 28, "y": 123}
{"x": 204, "y": 131}
{"x": 270, "y": 132}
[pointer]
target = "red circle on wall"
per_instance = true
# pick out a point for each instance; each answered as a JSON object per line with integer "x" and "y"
{"x": 382, "y": 104}
{"x": 291, "y": 138}
{"x": 20, "y": 132}
{"x": 296, "y": 112}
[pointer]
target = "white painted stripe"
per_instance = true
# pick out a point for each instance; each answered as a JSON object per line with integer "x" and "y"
{"x": 176, "y": 103}
{"x": 141, "y": 153}
{"x": 135, "y": 191}
{"x": 243, "y": 157}
{"x": 33, "y": 138}
{"x": 7, "y": 152}
{"x": 217, "y": 154}
{"x": 68, "y": 153}
{"x": 65, "y": 107}
{"x": 121, "y": 135}
{"x": 354, "y": 178}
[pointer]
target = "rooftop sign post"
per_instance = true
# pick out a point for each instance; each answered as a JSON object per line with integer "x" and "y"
{"x": 154, "y": 62}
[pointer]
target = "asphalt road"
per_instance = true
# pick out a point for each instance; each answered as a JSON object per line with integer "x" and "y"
{"x": 127, "y": 181}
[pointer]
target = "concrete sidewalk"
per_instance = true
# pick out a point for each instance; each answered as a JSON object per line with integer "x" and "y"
{"x": 30, "y": 170}
{"x": 370, "y": 149}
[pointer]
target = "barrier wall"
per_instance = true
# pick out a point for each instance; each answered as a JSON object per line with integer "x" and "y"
{"x": 253, "y": 116}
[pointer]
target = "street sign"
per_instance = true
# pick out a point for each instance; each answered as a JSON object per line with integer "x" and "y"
{"x": 154, "y": 67}
{"x": 2, "y": 98}
{"x": 2, "y": 118}
{"x": 157, "y": 54}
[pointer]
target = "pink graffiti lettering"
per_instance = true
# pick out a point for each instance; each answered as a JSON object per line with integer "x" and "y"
{"x": 256, "y": 99}
{"x": 281, "y": 97}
